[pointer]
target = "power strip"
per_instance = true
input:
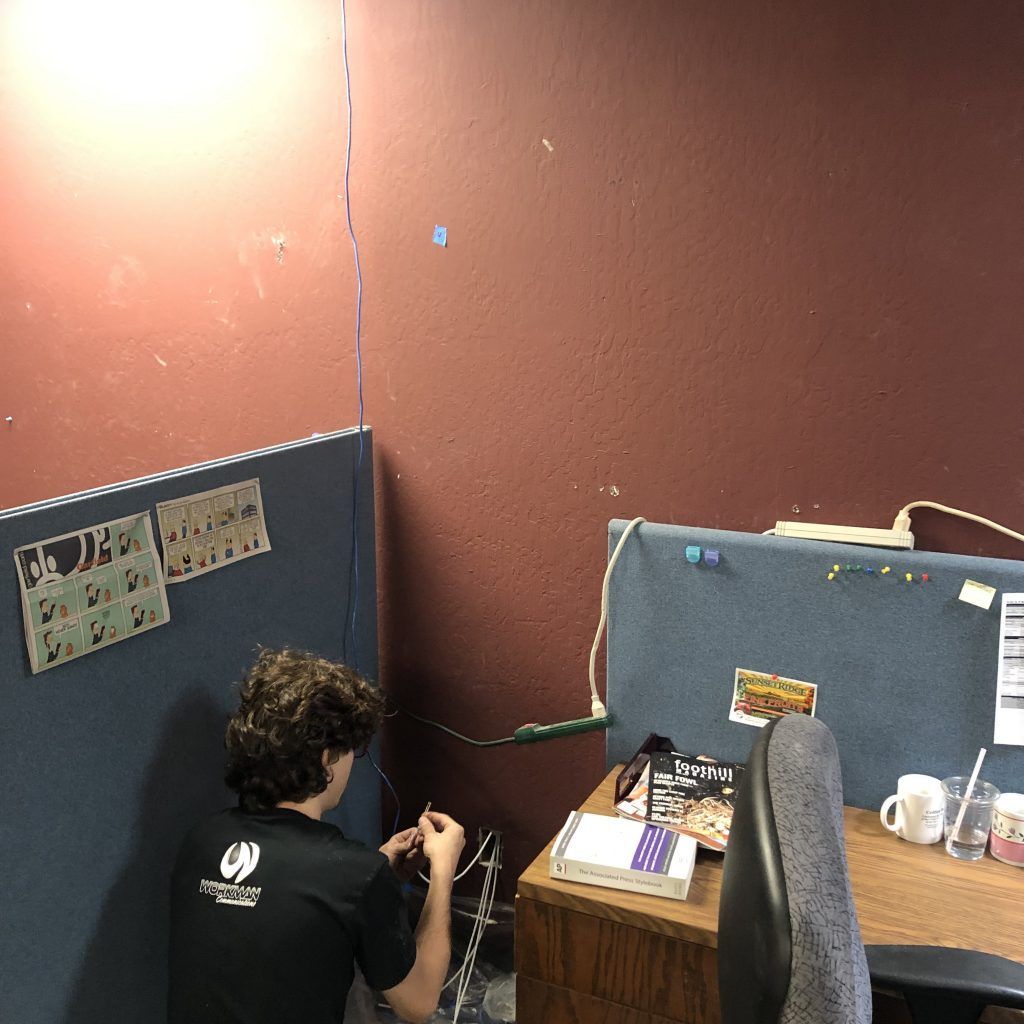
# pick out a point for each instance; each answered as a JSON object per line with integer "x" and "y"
{"x": 535, "y": 733}
{"x": 846, "y": 534}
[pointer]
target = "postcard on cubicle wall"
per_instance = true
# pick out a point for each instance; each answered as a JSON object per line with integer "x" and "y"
{"x": 760, "y": 697}
{"x": 1009, "y": 727}
{"x": 89, "y": 589}
{"x": 206, "y": 531}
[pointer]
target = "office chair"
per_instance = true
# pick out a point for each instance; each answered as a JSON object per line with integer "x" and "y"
{"x": 789, "y": 946}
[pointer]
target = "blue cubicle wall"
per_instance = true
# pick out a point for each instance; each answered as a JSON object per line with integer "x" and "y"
{"x": 906, "y": 671}
{"x": 107, "y": 760}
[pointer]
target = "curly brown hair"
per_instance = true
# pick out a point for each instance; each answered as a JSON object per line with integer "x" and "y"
{"x": 294, "y": 706}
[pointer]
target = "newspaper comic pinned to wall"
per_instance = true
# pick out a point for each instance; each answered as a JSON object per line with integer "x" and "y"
{"x": 206, "y": 531}
{"x": 89, "y": 589}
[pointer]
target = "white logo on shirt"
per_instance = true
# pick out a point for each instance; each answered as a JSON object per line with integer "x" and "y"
{"x": 239, "y": 861}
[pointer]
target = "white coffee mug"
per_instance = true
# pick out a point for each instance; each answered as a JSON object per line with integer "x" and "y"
{"x": 919, "y": 805}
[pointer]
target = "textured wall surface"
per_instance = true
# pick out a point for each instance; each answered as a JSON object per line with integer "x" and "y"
{"x": 706, "y": 263}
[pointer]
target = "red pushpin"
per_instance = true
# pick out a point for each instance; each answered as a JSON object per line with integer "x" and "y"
{"x": 924, "y": 577}
{"x": 775, "y": 677}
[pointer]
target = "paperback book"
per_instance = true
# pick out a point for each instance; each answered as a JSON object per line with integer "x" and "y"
{"x": 620, "y": 854}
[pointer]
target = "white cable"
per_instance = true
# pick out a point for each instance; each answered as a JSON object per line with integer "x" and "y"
{"x": 482, "y": 915}
{"x": 903, "y": 518}
{"x": 483, "y": 919}
{"x": 596, "y": 707}
{"x": 768, "y": 533}
{"x": 468, "y": 962}
{"x": 465, "y": 871}
{"x": 467, "y": 977}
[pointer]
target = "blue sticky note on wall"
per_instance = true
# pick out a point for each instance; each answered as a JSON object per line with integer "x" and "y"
{"x": 440, "y": 235}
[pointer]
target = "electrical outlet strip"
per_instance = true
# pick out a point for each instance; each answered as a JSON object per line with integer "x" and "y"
{"x": 535, "y": 733}
{"x": 846, "y": 534}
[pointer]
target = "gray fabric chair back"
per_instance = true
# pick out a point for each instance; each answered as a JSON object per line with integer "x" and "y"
{"x": 789, "y": 945}
{"x": 829, "y": 981}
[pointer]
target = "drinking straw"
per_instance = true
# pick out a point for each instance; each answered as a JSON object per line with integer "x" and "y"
{"x": 964, "y": 801}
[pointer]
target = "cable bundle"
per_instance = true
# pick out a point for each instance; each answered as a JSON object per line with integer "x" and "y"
{"x": 482, "y": 919}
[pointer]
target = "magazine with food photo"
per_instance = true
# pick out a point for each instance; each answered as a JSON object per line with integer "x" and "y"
{"x": 694, "y": 796}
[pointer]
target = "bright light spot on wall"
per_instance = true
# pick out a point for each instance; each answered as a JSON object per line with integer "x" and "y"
{"x": 130, "y": 54}
{"x": 137, "y": 75}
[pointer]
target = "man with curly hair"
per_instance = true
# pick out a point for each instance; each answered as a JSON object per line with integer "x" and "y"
{"x": 271, "y": 907}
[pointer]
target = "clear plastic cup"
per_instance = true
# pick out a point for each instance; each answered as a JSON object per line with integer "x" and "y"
{"x": 972, "y": 836}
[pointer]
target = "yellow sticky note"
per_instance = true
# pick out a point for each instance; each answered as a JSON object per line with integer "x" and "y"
{"x": 977, "y": 594}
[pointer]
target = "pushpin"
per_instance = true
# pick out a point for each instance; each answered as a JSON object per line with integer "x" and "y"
{"x": 924, "y": 577}
{"x": 856, "y": 568}
{"x": 711, "y": 557}
{"x": 693, "y": 553}
{"x": 831, "y": 575}
{"x": 835, "y": 568}
{"x": 886, "y": 571}
{"x": 848, "y": 568}
{"x": 910, "y": 577}
{"x": 869, "y": 571}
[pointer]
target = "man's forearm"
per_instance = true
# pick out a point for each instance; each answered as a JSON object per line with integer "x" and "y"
{"x": 417, "y": 996}
{"x": 433, "y": 932}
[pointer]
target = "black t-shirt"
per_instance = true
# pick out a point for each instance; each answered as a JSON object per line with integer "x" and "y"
{"x": 269, "y": 911}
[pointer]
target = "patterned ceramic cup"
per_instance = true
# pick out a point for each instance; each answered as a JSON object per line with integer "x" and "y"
{"x": 1007, "y": 841}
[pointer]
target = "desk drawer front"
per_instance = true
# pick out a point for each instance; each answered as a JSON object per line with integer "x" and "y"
{"x": 539, "y": 1003}
{"x": 653, "y": 973}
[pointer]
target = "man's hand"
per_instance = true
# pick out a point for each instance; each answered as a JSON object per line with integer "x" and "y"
{"x": 404, "y": 852}
{"x": 443, "y": 841}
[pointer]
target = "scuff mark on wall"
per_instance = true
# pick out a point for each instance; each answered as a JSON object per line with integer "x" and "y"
{"x": 124, "y": 280}
{"x": 256, "y": 251}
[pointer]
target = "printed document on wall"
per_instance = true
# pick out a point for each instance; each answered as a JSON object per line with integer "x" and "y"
{"x": 1010, "y": 680}
{"x": 89, "y": 589}
{"x": 212, "y": 529}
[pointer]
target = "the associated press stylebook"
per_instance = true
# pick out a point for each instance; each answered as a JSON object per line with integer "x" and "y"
{"x": 621, "y": 854}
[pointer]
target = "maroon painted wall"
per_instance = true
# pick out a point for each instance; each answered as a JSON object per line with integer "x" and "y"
{"x": 767, "y": 259}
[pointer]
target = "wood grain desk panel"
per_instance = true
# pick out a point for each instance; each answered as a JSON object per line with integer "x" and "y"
{"x": 617, "y": 963}
{"x": 627, "y": 958}
{"x": 536, "y": 1001}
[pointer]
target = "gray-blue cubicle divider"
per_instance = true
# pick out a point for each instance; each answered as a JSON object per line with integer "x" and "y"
{"x": 906, "y": 672}
{"x": 108, "y": 760}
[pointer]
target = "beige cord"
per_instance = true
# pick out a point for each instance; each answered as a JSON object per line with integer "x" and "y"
{"x": 903, "y": 518}
{"x": 596, "y": 707}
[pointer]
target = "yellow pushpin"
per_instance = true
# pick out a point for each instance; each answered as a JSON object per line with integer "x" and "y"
{"x": 831, "y": 575}
{"x": 835, "y": 568}
{"x": 886, "y": 570}
{"x": 910, "y": 577}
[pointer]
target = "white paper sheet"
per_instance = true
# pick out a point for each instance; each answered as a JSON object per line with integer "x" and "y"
{"x": 1009, "y": 726}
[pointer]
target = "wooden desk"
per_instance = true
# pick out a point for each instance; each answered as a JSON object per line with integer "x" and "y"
{"x": 589, "y": 955}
